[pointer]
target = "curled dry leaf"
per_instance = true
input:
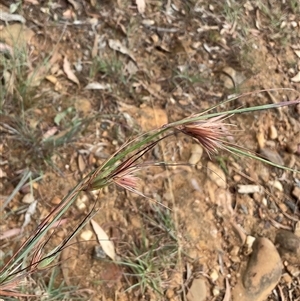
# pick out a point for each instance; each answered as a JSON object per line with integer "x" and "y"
{"x": 141, "y": 6}
{"x": 70, "y": 74}
{"x": 116, "y": 45}
{"x": 106, "y": 244}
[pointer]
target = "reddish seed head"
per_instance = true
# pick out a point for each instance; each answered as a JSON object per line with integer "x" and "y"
{"x": 126, "y": 179}
{"x": 209, "y": 133}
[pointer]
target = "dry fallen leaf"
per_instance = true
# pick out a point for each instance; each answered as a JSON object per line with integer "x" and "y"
{"x": 141, "y": 6}
{"x": 116, "y": 45}
{"x": 106, "y": 244}
{"x": 70, "y": 74}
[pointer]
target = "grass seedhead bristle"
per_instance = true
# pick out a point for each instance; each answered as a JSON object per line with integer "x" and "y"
{"x": 209, "y": 133}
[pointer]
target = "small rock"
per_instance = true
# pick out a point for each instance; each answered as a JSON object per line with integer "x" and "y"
{"x": 216, "y": 174}
{"x": 28, "y": 198}
{"x": 265, "y": 202}
{"x": 83, "y": 106}
{"x": 228, "y": 78}
{"x": 170, "y": 293}
{"x": 198, "y": 290}
{"x": 216, "y": 291}
{"x": 293, "y": 271}
{"x": 261, "y": 139}
{"x": 247, "y": 189}
{"x": 196, "y": 154}
{"x": 276, "y": 184}
{"x": 214, "y": 275}
{"x": 55, "y": 200}
{"x": 98, "y": 252}
{"x": 288, "y": 246}
{"x": 150, "y": 118}
{"x": 86, "y": 235}
{"x": 237, "y": 178}
{"x": 235, "y": 251}
{"x": 250, "y": 241}
{"x": 273, "y": 134}
{"x": 271, "y": 155}
{"x": 296, "y": 192}
{"x": 262, "y": 273}
{"x": 287, "y": 278}
{"x": 81, "y": 202}
{"x": 231, "y": 78}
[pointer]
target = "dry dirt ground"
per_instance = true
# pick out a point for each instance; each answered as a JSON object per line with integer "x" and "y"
{"x": 92, "y": 74}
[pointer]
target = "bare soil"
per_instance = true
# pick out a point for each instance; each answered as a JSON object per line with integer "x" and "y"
{"x": 176, "y": 59}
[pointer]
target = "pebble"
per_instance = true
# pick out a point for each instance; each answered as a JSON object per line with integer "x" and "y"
{"x": 250, "y": 241}
{"x": 237, "y": 178}
{"x": 196, "y": 154}
{"x": 216, "y": 174}
{"x": 28, "y": 198}
{"x": 296, "y": 192}
{"x": 273, "y": 134}
{"x": 288, "y": 246}
{"x": 81, "y": 201}
{"x": 261, "y": 275}
{"x": 55, "y": 200}
{"x": 261, "y": 139}
{"x": 197, "y": 291}
{"x": 287, "y": 278}
{"x": 170, "y": 293}
{"x": 276, "y": 184}
{"x": 271, "y": 155}
{"x": 293, "y": 271}
{"x": 214, "y": 275}
{"x": 98, "y": 252}
{"x": 86, "y": 235}
{"x": 216, "y": 291}
{"x": 246, "y": 189}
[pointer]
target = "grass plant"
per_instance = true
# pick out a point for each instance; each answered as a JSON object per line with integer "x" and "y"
{"x": 209, "y": 128}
